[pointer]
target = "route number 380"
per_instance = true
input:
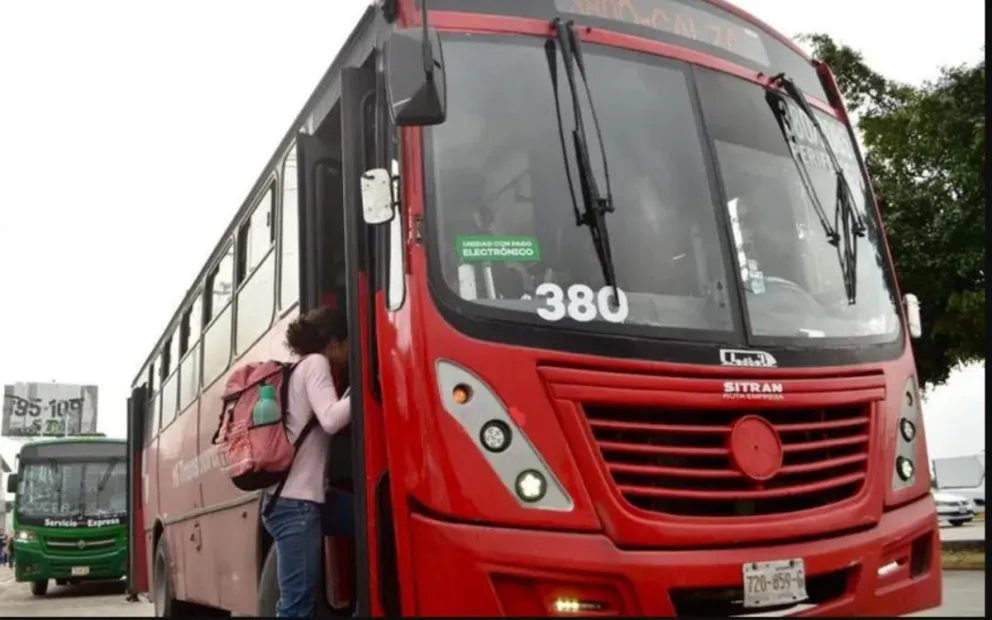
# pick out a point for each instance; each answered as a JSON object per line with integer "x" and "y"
{"x": 580, "y": 303}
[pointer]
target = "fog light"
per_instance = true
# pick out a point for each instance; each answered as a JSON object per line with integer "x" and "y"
{"x": 531, "y": 486}
{"x": 905, "y": 468}
{"x": 574, "y": 606}
{"x": 908, "y": 429}
{"x": 495, "y": 436}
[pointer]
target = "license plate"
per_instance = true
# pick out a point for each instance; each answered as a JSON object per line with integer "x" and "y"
{"x": 781, "y": 582}
{"x": 80, "y": 571}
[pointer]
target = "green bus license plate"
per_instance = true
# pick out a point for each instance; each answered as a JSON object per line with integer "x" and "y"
{"x": 80, "y": 571}
{"x": 781, "y": 582}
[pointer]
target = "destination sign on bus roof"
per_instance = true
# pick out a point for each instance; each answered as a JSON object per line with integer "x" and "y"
{"x": 83, "y": 450}
{"x": 694, "y": 24}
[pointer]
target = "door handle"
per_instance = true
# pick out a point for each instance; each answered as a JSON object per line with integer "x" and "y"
{"x": 197, "y": 536}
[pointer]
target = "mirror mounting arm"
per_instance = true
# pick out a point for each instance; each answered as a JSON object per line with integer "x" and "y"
{"x": 426, "y": 49}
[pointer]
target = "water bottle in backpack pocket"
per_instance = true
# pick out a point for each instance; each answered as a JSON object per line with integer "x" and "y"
{"x": 252, "y": 439}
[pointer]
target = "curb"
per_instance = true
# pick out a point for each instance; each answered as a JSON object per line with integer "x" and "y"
{"x": 963, "y": 546}
{"x": 963, "y": 554}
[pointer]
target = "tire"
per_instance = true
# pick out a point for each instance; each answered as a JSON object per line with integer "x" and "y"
{"x": 958, "y": 522}
{"x": 163, "y": 593}
{"x": 39, "y": 588}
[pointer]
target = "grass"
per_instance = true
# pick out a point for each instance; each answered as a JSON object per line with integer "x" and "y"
{"x": 962, "y": 559}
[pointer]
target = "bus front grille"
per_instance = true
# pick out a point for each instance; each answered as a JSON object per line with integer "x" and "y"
{"x": 679, "y": 462}
{"x": 76, "y": 544}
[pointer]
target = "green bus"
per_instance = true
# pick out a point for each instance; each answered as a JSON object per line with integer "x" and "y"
{"x": 70, "y": 511}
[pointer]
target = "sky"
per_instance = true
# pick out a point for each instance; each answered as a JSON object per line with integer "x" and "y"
{"x": 130, "y": 133}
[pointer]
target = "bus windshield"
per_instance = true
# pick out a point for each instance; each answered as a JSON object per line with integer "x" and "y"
{"x": 73, "y": 489}
{"x": 506, "y": 239}
{"x": 507, "y": 235}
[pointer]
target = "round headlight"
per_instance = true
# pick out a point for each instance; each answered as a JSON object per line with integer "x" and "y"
{"x": 531, "y": 485}
{"x": 905, "y": 468}
{"x": 907, "y": 429}
{"x": 495, "y": 436}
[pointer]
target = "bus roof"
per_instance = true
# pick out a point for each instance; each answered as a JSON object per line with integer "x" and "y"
{"x": 73, "y": 448}
{"x": 49, "y": 441}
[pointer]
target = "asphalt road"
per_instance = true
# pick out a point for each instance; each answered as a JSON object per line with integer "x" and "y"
{"x": 964, "y": 596}
{"x": 971, "y": 531}
{"x": 96, "y": 600}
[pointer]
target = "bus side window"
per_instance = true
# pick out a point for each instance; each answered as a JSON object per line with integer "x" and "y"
{"x": 189, "y": 338}
{"x": 217, "y": 336}
{"x": 150, "y": 413}
{"x": 396, "y": 248}
{"x": 170, "y": 387}
{"x": 289, "y": 287}
{"x": 256, "y": 274}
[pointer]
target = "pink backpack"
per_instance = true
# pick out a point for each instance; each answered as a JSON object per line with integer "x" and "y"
{"x": 257, "y": 455}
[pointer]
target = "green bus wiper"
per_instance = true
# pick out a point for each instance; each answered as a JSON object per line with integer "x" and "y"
{"x": 596, "y": 204}
{"x": 846, "y": 217}
{"x": 104, "y": 480}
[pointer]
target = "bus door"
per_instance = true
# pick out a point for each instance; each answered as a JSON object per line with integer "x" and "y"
{"x": 138, "y": 558}
{"x": 365, "y": 575}
{"x": 369, "y": 142}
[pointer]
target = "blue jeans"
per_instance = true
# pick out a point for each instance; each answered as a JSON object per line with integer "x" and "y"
{"x": 297, "y": 528}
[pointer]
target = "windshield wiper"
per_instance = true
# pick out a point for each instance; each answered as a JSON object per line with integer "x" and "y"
{"x": 596, "y": 204}
{"x": 846, "y": 216}
{"x": 104, "y": 480}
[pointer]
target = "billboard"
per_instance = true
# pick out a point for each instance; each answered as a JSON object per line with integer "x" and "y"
{"x": 48, "y": 410}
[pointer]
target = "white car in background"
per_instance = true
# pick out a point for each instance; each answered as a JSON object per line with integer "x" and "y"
{"x": 955, "y": 509}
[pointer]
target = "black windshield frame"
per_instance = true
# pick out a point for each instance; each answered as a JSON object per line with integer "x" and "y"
{"x": 656, "y": 343}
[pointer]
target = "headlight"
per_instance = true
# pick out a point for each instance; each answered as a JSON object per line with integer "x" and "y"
{"x": 905, "y": 468}
{"x": 531, "y": 486}
{"x": 907, "y": 429}
{"x": 25, "y": 535}
{"x": 495, "y": 436}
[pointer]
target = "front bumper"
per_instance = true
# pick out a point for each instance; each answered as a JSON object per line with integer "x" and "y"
{"x": 889, "y": 570}
{"x": 31, "y": 563}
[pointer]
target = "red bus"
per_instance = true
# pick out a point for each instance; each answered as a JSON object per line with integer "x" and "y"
{"x": 627, "y": 335}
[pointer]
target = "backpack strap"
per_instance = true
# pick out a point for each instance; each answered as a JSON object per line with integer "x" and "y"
{"x": 269, "y": 505}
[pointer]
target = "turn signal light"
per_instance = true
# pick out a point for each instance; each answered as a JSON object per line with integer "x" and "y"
{"x": 461, "y": 394}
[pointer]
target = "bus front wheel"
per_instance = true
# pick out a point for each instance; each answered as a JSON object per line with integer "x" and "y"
{"x": 39, "y": 588}
{"x": 163, "y": 594}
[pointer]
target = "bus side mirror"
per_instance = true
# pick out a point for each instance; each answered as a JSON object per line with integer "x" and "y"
{"x": 415, "y": 84}
{"x": 377, "y": 196}
{"x": 913, "y": 315}
{"x": 12, "y": 483}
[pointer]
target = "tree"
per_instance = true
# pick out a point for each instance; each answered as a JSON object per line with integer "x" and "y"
{"x": 925, "y": 152}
